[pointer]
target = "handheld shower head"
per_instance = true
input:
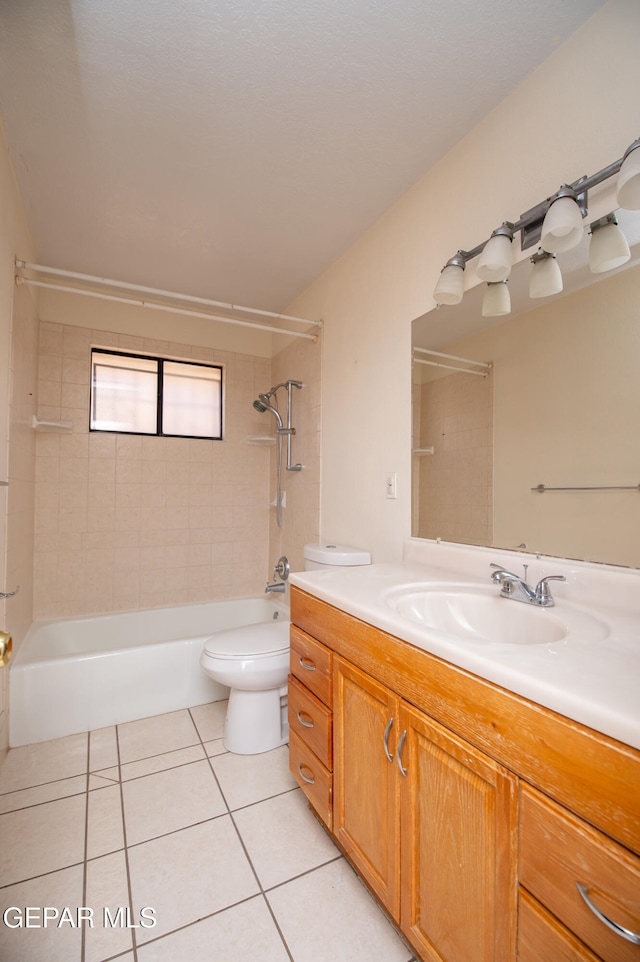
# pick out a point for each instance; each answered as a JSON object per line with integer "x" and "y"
{"x": 262, "y": 405}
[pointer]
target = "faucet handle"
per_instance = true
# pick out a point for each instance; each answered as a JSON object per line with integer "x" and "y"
{"x": 282, "y": 568}
{"x": 543, "y": 592}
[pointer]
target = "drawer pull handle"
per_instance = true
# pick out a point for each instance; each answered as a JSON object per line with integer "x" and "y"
{"x": 400, "y": 747}
{"x": 308, "y": 778}
{"x": 386, "y": 740}
{"x": 307, "y": 663}
{"x": 301, "y": 718}
{"x": 618, "y": 929}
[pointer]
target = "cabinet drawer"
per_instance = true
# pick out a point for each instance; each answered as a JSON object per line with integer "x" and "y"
{"x": 311, "y": 664}
{"x": 311, "y": 721}
{"x": 542, "y": 937}
{"x": 557, "y": 850}
{"x": 312, "y": 777}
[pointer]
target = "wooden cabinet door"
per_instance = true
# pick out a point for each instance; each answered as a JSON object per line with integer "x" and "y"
{"x": 366, "y": 804}
{"x": 458, "y": 847}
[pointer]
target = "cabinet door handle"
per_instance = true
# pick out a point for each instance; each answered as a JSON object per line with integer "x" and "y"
{"x": 400, "y": 747}
{"x": 307, "y": 663}
{"x": 385, "y": 740}
{"x": 618, "y": 929}
{"x": 308, "y": 778}
{"x": 301, "y": 718}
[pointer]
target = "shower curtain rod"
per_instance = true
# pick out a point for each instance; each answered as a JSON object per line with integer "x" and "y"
{"x": 167, "y": 308}
{"x": 124, "y": 285}
{"x": 451, "y": 367}
{"x": 451, "y": 357}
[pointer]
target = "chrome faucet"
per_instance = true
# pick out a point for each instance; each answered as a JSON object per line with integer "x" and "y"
{"x": 277, "y": 586}
{"x": 515, "y": 587}
{"x": 282, "y": 571}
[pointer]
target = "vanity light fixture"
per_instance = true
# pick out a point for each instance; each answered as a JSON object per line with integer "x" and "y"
{"x": 556, "y": 225}
{"x": 628, "y": 185}
{"x": 608, "y": 247}
{"x": 562, "y": 225}
{"x": 494, "y": 263}
{"x": 450, "y": 286}
{"x": 546, "y": 278}
{"x": 497, "y": 300}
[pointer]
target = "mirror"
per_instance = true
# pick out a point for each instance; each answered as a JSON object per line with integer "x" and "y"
{"x": 559, "y": 407}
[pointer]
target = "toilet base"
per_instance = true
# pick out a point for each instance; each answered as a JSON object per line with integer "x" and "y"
{"x": 254, "y": 721}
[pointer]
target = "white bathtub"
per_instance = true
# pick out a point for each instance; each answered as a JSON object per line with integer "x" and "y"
{"x": 77, "y": 674}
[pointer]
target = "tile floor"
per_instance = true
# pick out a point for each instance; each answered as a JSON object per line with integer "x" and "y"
{"x": 156, "y": 819}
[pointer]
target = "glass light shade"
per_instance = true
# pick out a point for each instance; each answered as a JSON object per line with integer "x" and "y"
{"x": 546, "y": 278}
{"x": 608, "y": 249}
{"x": 495, "y": 260}
{"x": 450, "y": 286}
{"x": 496, "y": 301}
{"x": 628, "y": 186}
{"x": 562, "y": 226}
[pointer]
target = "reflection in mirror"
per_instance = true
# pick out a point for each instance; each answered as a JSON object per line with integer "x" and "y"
{"x": 559, "y": 407}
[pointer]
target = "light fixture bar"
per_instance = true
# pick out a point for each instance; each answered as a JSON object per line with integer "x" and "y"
{"x": 530, "y": 222}
{"x": 167, "y": 308}
{"x": 124, "y": 285}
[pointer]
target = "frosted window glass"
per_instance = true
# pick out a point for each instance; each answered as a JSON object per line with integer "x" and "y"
{"x": 191, "y": 400}
{"x": 126, "y": 390}
{"x": 124, "y": 393}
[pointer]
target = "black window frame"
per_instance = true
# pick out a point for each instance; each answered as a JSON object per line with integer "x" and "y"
{"x": 159, "y": 433}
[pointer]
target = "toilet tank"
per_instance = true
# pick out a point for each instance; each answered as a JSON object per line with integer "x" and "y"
{"x": 317, "y": 556}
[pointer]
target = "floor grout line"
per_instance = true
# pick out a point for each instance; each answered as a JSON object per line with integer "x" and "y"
{"x": 250, "y": 861}
{"x": 126, "y": 847}
{"x": 263, "y": 892}
{"x": 83, "y": 937}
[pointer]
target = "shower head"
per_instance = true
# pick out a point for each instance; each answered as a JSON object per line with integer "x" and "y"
{"x": 262, "y": 405}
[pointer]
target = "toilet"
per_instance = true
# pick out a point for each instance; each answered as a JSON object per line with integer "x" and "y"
{"x": 253, "y": 661}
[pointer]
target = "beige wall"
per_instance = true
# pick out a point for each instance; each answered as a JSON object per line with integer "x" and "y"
{"x": 18, "y": 365}
{"x": 565, "y": 120}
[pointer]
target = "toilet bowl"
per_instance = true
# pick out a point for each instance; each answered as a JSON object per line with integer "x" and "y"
{"x": 253, "y": 661}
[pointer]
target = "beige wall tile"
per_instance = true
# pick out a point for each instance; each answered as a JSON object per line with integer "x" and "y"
{"x": 126, "y": 521}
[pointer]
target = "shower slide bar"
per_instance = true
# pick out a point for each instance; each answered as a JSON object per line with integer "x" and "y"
{"x": 167, "y": 308}
{"x": 541, "y": 488}
{"x": 124, "y": 285}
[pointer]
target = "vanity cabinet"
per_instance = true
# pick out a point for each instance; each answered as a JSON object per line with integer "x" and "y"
{"x": 426, "y": 820}
{"x": 471, "y": 812}
{"x": 367, "y": 800}
{"x": 458, "y": 815}
{"x": 557, "y": 852}
{"x": 310, "y": 716}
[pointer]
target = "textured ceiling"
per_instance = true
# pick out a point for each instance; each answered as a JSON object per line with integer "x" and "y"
{"x": 235, "y": 148}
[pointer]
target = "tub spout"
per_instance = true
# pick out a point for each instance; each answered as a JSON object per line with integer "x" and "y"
{"x": 277, "y": 586}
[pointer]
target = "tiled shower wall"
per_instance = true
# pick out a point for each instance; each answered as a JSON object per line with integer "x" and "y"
{"x": 300, "y": 361}
{"x": 23, "y": 375}
{"x": 125, "y": 522}
{"x": 455, "y": 489}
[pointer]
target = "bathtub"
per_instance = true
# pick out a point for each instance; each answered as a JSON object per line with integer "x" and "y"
{"x": 76, "y": 674}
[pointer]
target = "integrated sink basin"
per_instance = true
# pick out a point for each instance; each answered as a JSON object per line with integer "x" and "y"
{"x": 476, "y": 613}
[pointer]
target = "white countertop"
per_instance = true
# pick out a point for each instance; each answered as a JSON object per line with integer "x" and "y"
{"x": 595, "y": 682}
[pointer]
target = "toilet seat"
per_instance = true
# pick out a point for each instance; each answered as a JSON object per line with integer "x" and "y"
{"x": 250, "y": 641}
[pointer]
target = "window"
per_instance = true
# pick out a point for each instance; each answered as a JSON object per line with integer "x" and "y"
{"x": 134, "y": 394}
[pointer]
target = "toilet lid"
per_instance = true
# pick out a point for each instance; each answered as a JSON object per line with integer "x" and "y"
{"x": 255, "y": 641}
